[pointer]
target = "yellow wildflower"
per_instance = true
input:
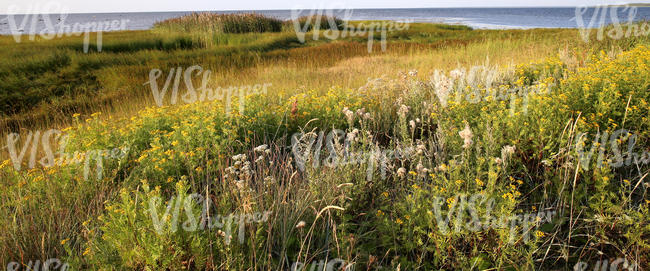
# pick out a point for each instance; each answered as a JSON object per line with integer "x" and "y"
{"x": 5, "y": 163}
{"x": 450, "y": 202}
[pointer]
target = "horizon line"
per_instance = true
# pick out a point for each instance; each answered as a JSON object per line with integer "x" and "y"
{"x": 285, "y": 9}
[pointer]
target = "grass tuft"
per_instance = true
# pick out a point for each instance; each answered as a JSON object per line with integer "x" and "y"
{"x": 221, "y": 23}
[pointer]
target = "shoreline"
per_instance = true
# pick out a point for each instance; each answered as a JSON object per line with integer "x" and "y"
{"x": 507, "y": 18}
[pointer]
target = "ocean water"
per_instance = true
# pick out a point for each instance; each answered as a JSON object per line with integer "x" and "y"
{"x": 480, "y": 18}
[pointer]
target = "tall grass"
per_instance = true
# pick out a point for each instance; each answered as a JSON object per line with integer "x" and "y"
{"x": 221, "y": 23}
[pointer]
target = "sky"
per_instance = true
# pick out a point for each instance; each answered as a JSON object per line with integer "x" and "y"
{"x": 97, "y": 6}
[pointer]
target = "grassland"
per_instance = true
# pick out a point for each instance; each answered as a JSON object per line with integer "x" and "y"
{"x": 520, "y": 152}
{"x": 48, "y": 80}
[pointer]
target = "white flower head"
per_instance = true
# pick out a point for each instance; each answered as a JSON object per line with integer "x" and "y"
{"x": 403, "y": 110}
{"x": 259, "y": 159}
{"x": 301, "y": 224}
{"x": 457, "y": 74}
{"x": 261, "y": 148}
{"x": 420, "y": 149}
{"x": 349, "y": 115}
{"x": 466, "y": 134}
{"x": 498, "y": 161}
{"x": 421, "y": 169}
{"x": 351, "y": 137}
{"x": 401, "y": 172}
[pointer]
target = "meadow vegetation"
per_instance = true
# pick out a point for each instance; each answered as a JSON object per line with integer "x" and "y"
{"x": 220, "y": 23}
{"x": 518, "y": 149}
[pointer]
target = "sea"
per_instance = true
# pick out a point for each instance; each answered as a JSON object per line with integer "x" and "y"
{"x": 478, "y": 18}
